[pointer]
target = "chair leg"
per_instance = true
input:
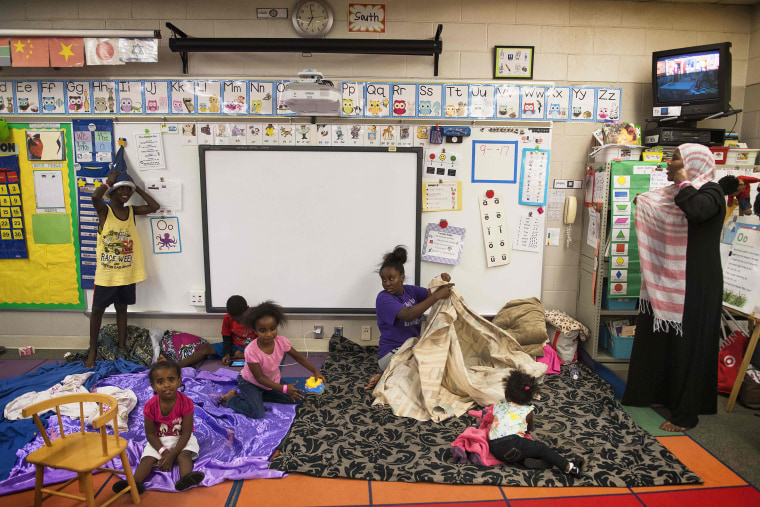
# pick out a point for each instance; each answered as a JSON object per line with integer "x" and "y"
{"x": 85, "y": 483}
{"x": 130, "y": 478}
{"x": 40, "y": 475}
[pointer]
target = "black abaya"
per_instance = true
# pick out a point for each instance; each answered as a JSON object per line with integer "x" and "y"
{"x": 681, "y": 372}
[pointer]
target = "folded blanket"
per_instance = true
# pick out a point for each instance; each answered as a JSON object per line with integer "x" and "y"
{"x": 524, "y": 319}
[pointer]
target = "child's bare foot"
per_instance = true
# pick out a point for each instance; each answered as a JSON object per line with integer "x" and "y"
{"x": 224, "y": 399}
{"x": 373, "y": 382}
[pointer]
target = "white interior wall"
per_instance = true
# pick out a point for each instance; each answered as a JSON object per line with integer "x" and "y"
{"x": 600, "y": 43}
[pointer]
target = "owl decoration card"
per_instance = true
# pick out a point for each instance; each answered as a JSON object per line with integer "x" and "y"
{"x": 53, "y": 97}
{"x": 131, "y": 97}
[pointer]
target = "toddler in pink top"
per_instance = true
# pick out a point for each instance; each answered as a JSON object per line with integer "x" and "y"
{"x": 259, "y": 381}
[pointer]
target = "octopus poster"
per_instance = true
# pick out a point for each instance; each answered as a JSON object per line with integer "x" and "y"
{"x": 165, "y": 233}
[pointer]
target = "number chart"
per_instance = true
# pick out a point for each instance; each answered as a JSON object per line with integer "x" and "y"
{"x": 495, "y": 230}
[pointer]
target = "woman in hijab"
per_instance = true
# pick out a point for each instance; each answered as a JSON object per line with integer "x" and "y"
{"x": 674, "y": 362}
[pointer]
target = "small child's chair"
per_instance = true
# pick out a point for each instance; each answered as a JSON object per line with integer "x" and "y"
{"x": 81, "y": 452}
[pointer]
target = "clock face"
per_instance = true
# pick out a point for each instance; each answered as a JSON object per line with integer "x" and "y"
{"x": 312, "y": 18}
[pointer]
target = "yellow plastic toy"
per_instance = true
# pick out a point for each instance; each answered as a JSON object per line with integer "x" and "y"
{"x": 314, "y": 385}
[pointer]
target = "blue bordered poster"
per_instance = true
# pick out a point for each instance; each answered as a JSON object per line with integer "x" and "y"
{"x": 494, "y": 161}
{"x": 443, "y": 244}
{"x": 534, "y": 176}
{"x": 12, "y": 238}
{"x": 165, "y": 232}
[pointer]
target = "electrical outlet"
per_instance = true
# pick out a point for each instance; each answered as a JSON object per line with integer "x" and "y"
{"x": 338, "y": 331}
{"x": 319, "y": 332}
{"x": 366, "y": 333}
{"x": 197, "y": 298}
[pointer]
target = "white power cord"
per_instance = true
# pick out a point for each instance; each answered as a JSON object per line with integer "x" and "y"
{"x": 305, "y": 346}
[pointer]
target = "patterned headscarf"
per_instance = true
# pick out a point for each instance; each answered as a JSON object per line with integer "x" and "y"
{"x": 662, "y": 232}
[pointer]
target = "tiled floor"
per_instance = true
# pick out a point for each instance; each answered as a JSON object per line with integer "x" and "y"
{"x": 721, "y": 487}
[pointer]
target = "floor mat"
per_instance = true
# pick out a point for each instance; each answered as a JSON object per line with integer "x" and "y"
{"x": 340, "y": 434}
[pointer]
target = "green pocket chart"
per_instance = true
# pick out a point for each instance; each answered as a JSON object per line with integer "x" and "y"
{"x": 627, "y": 179}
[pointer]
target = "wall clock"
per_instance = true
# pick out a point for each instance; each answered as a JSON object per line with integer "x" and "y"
{"x": 312, "y": 18}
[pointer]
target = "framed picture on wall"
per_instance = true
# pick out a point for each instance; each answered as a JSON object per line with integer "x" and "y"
{"x": 513, "y": 62}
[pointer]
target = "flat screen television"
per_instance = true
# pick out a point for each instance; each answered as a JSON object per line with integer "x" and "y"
{"x": 697, "y": 78}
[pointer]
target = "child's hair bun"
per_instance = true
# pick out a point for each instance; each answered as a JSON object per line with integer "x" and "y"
{"x": 397, "y": 255}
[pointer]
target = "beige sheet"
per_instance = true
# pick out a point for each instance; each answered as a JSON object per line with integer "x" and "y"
{"x": 460, "y": 360}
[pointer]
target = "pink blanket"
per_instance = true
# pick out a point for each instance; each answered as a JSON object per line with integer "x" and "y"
{"x": 550, "y": 359}
{"x": 472, "y": 444}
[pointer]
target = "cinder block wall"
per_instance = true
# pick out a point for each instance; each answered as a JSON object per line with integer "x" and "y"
{"x": 577, "y": 42}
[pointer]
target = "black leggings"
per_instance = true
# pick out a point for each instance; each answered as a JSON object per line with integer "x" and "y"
{"x": 514, "y": 449}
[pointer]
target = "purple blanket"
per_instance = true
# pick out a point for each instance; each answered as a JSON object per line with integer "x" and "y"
{"x": 232, "y": 446}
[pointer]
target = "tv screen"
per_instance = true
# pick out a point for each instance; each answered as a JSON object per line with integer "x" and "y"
{"x": 696, "y": 78}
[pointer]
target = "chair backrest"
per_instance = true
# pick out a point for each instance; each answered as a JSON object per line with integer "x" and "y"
{"x": 98, "y": 423}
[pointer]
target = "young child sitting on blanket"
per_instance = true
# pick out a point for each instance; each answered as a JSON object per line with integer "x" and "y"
{"x": 169, "y": 430}
{"x": 235, "y": 334}
{"x": 259, "y": 381}
{"x": 400, "y": 307}
{"x": 509, "y": 440}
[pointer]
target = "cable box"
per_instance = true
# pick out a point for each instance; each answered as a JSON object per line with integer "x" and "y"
{"x": 674, "y": 136}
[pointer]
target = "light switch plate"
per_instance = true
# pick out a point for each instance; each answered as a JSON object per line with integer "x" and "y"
{"x": 366, "y": 333}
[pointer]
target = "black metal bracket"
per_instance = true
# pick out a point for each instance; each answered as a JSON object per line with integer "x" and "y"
{"x": 182, "y": 44}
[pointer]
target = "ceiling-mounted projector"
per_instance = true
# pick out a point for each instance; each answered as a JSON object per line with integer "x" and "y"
{"x": 310, "y": 94}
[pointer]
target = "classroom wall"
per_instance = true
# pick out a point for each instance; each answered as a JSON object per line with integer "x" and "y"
{"x": 600, "y": 43}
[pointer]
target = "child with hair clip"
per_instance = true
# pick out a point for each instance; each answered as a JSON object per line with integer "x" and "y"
{"x": 169, "y": 430}
{"x": 509, "y": 440}
{"x": 400, "y": 307}
{"x": 259, "y": 381}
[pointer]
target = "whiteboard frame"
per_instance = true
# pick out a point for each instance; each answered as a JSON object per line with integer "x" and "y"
{"x": 413, "y": 250}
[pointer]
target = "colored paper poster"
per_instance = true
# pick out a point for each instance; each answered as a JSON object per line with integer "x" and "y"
{"x": 12, "y": 238}
{"x": 404, "y": 99}
{"x": 442, "y": 196}
{"x": 352, "y": 98}
{"x": 130, "y": 97}
{"x": 443, "y": 245}
{"x": 45, "y": 145}
{"x": 29, "y": 52}
{"x": 582, "y": 103}
{"x": 253, "y": 134}
{"x": 234, "y": 97}
{"x": 741, "y": 271}
{"x": 366, "y": 18}
{"x": 144, "y": 50}
{"x": 208, "y": 94}
{"x": 102, "y": 51}
{"x": 507, "y": 102}
{"x": 608, "y": 103}
{"x": 183, "y": 97}
{"x": 104, "y": 97}
{"x": 165, "y": 232}
{"x": 482, "y": 101}
{"x": 457, "y": 101}
{"x": 304, "y": 134}
{"x": 534, "y": 177}
{"x": 430, "y": 100}
{"x": 378, "y": 100}
{"x": 93, "y": 146}
{"x": 27, "y": 97}
{"x": 533, "y": 103}
{"x": 558, "y": 103}
{"x": 78, "y": 93}
{"x": 6, "y": 97}
{"x": 5, "y": 53}
{"x": 66, "y": 52}
{"x": 156, "y": 97}
{"x": 260, "y": 95}
{"x": 281, "y": 109}
{"x": 53, "y": 97}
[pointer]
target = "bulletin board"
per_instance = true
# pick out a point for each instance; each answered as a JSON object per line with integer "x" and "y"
{"x": 47, "y": 276}
{"x": 172, "y": 276}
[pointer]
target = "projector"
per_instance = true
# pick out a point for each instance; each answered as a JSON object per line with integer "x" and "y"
{"x": 310, "y": 94}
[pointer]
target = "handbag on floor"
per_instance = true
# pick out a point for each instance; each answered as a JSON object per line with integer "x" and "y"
{"x": 731, "y": 353}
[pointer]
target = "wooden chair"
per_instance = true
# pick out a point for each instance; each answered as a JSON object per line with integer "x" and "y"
{"x": 81, "y": 452}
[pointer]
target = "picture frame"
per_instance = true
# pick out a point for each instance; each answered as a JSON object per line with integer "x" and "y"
{"x": 513, "y": 62}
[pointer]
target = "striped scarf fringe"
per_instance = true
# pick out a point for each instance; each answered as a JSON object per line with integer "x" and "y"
{"x": 660, "y": 325}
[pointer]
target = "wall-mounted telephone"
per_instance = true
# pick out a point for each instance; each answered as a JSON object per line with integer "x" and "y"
{"x": 568, "y": 218}
{"x": 571, "y": 205}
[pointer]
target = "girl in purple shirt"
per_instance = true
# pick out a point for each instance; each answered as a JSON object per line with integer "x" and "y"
{"x": 259, "y": 381}
{"x": 400, "y": 307}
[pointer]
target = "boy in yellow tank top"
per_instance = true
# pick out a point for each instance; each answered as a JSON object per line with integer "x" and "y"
{"x": 119, "y": 254}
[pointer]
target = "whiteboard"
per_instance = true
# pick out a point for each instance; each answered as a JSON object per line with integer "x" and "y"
{"x": 307, "y": 226}
{"x": 171, "y": 277}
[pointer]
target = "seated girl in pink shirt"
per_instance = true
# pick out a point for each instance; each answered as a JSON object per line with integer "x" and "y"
{"x": 259, "y": 381}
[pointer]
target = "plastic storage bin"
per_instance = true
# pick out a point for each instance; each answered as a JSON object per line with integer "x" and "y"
{"x": 610, "y": 152}
{"x": 741, "y": 156}
{"x": 720, "y": 154}
{"x": 604, "y": 335}
{"x": 620, "y": 346}
{"x": 617, "y": 303}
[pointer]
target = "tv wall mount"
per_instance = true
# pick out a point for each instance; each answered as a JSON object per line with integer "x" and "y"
{"x": 180, "y": 43}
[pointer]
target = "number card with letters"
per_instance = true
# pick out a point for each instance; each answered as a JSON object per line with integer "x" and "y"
{"x": 494, "y": 161}
{"x": 165, "y": 232}
{"x": 495, "y": 230}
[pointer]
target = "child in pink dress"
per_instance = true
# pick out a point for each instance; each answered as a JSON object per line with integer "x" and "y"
{"x": 259, "y": 381}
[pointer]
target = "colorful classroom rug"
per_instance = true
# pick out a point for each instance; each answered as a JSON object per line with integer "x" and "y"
{"x": 232, "y": 446}
{"x": 340, "y": 434}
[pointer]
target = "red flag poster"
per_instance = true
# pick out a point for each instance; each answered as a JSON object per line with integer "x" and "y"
{"x": 29, "y": 52}
{"x": 66, "y": 52}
